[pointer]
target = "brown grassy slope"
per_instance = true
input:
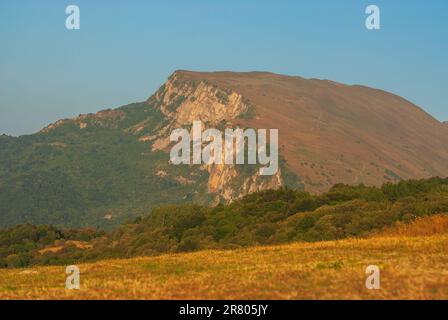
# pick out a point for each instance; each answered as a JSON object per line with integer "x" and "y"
{"x": 425, "y": 226}
{"x": 331, "y": 133}
{"x": 411, "y": 268}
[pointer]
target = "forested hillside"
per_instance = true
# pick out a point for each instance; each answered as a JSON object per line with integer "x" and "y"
{"x": 94, "y": 175}
{"x": 268, "y": 217}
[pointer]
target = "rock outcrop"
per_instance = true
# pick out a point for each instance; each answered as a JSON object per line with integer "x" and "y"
{"x": 183, "y": 101}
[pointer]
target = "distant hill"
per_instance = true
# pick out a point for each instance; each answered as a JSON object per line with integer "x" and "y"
{"x": 101, "y": 169}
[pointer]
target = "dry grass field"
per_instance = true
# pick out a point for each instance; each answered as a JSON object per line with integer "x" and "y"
{"x": 411, "y": 268}
{"x": 425, "y": 226}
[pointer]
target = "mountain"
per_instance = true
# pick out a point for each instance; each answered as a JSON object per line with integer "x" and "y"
{"x": 100, "y": 169}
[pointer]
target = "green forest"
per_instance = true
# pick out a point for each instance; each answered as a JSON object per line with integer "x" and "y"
{"x": 264, "y": 218}
{"x": 72, "y": 177}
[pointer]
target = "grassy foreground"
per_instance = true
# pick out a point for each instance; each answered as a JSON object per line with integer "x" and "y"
{"x": 411, "y": 268}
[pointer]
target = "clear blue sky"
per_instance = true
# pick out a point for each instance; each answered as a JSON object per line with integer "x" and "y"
{"x": 126, "y": 49}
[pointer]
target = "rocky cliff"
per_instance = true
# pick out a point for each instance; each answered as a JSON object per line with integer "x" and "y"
{"x": 182, "y": 101}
